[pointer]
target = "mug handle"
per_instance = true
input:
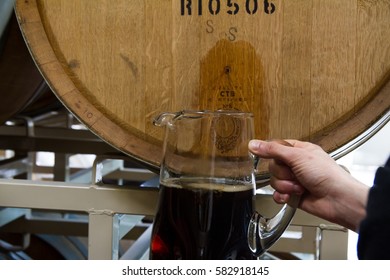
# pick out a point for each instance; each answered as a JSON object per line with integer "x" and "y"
{"x": 264, "y": 232}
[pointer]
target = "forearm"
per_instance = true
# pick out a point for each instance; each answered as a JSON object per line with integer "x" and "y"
{"x": 350, "y": 204}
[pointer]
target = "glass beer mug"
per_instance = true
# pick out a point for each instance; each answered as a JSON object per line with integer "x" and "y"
{"x": 207, "y": 190}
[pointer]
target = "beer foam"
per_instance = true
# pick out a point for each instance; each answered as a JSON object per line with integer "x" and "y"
{"x": 206, "y": 184}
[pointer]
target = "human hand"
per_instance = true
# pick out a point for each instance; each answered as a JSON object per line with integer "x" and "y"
{"x": 305, "y": 169}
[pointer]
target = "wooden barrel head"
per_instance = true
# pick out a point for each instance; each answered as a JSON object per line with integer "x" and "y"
{"x": 309, "y": 69}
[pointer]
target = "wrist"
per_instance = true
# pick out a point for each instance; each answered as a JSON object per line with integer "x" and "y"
{"x": 350, "y": 204}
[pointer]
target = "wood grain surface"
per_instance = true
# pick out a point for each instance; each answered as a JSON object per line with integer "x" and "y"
{"x": 316, "y": 70}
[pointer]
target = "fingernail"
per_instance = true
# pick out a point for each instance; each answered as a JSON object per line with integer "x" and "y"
{"x": 283, "y": 198}
{"x": 254, "y": 144}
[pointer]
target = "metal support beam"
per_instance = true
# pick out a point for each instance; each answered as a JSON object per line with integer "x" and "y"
{"x": 77, "y": 197}
{"x": 66, "y": 226}
{"x": 104, "y": 232}
{"x": 8, "y": 215}
{"x": 103, "y": 236}
{"x": 61, "y": 167}
{"x": 332, "y": 243}
{"x": 13, "y": 167}
{"x": 62, "y": 140}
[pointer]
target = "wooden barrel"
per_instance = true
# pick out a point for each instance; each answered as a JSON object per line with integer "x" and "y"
{"x": 316, "y": 70}
{"x": 22, "y": 87}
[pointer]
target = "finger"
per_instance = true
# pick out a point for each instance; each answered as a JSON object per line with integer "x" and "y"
{"x": 280, "y": 170}
{"x": 272, "y": 149}
{"x": 281, "y": 198}
{"x": 286, "y": 186}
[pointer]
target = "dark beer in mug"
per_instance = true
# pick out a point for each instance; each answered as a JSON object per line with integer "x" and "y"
{"x": 202, "y": 220}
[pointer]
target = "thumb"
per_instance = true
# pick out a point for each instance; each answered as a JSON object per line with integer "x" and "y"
{"x": 277, "y": 149}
